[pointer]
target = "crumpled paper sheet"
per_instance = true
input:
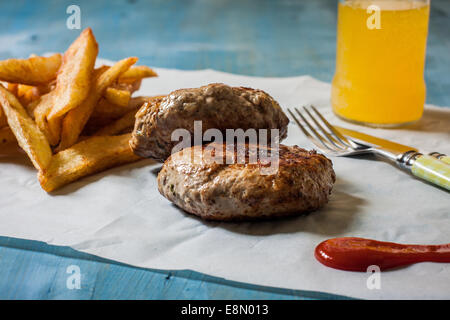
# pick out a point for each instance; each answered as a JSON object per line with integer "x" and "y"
{"x": 119, "y": 214}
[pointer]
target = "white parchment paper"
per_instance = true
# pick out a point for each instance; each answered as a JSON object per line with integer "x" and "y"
{"x": 119, "y": 214}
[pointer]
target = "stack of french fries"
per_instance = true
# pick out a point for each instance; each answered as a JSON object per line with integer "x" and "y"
{"x": 70, "y": 118}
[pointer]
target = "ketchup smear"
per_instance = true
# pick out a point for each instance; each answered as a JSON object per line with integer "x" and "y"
{"x": 356, "y": 254}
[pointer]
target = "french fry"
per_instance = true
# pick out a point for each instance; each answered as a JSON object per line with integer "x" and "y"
{"x": 32, "y": 71}
{"x": 3, "y": 121}
{"x": 117, "y": 96}
{"x": 118, "y": 126}
{"x": 127, "y": 121}
{"x": 13, "y": 87}
{"x": 74, "y": 78}
{"x": 55, "y": 128}
{"x": 86, "y": 157}
{"x": 27, "y": 94}
{"x": 106, "y": 114}
{"x": 60, "y": 101}
{"x": 128, "y": 86}
{"x": 137, "y": 73}
{"x": 24, "y": 89}
{"x": 106, "y": 110}
{"x": 30, "y": 96}
{"x": 27, "y": 133}
{"x": 40, "y": 114}
{"x": 74, "y": 122}
{"x": 32, "y": 106}
{"x": 51, "y": 129}
{"x": 98, "y": 71}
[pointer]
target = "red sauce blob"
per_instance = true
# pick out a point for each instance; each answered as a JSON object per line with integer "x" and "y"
{"x": 356, "y": 254}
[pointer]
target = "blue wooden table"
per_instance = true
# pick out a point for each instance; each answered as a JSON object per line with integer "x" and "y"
{"x": 262, "y": 38}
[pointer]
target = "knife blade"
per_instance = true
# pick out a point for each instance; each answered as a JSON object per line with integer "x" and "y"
{"x": 385, "y": 144}
{"x": 375, "y": 141}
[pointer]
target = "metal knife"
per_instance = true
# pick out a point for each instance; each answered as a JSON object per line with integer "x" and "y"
{"x": 383, "y": 143}
{"x": 434, "y": 168}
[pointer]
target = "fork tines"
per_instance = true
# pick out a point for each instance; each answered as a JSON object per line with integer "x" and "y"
{"x": 321, "y": 132}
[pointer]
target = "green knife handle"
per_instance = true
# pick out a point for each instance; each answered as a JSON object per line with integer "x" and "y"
{"x": 441, "y": 157}
{"x": 432, "y": 170}
{"x": 445, "y": 159}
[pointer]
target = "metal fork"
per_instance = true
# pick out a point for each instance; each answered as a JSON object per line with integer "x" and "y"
{"x": 325, "y": 137}
{"x": 330, "y": 141}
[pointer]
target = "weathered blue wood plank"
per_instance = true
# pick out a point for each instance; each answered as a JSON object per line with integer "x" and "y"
{"x": 35, "y": 270}
{"x": 262, "y": 38}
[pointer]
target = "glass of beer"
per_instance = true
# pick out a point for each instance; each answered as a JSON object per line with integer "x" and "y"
{"x": 380, "y": 60}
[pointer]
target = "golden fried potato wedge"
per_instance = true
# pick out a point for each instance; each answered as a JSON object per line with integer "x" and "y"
{"x": 74, "y": 78}
{"x": 32, "y": 106}
{"x": 55, "y": 128}
{"x": 40, "y": 114}
{"x": 27, "y": 133}
{"x": 50, "y": 128}
{"x": 74, "y": 122}
{"x": 32, "y": 71}
{"x": 27, "y": 94}
{"x": 24, "y": 89}
{"x": 30, "y": 96}
{"x": 117, "y": 96}
{"x": 13, "y": 87}
{"x": 128, "y": 86}
{"x": 118, "y": 126}
{"x": 98, "y": 71}
{"x": 107, "y": 112}
{"x": 137, "y": 73}
{"x": 86, "y": 157}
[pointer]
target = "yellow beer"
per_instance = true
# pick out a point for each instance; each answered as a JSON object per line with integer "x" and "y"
{"x": 380, "y": 61}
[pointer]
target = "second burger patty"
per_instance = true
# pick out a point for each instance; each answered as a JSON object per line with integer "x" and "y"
{"x": 217, "y": 105}
{"x": 203, "y": 182}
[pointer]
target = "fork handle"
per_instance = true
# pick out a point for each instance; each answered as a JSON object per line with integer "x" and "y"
{"x": 431, "y": 169}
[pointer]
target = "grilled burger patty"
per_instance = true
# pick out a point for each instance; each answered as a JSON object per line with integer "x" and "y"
{"x": 216, "y": 105}
{"x": 226, "y": 192}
